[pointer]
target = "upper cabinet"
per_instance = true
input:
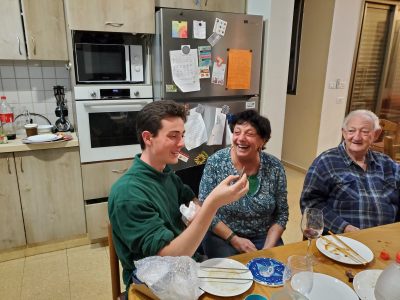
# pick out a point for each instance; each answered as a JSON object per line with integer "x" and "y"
{"x": 11, "y": 31}
{"x": 236, "y": 6}
{"x": 44, "y": 30}
{"x": 136, "y": 16}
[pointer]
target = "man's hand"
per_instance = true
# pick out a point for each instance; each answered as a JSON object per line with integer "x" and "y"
{"x": 229, "y": 190}
{"x": 350, "y": 228}
{"x": 242, "y": 245}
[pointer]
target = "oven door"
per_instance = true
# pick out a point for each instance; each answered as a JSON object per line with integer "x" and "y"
{"x": 107, "y": 128}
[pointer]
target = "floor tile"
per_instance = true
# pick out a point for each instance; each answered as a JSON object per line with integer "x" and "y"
{"x": 11, "y": 273}
{"x": 46, "y": 277}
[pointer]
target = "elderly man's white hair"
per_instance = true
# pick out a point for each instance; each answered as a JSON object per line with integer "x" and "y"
{"x": 366, "y": 114}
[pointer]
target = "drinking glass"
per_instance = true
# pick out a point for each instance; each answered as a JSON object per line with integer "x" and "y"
{"x": 298, "y": 275}
{"x": 312, "y": 225}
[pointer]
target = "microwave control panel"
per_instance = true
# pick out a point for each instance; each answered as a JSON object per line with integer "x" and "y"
{"x": 136, "y": 63}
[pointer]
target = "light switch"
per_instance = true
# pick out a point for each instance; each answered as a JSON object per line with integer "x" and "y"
{"x": 332, "y": 85}
{"x": 340, "y": 84}
{"x": 339, "y": 100}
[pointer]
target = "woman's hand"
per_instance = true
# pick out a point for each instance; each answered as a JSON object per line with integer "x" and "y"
{"x": 242, "y": 245}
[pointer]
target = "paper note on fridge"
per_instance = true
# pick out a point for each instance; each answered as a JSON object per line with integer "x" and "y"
{"x": 185, "y": 71}
{"x": 217, "y": 133}
{"x": 195, "y": 130}
{"x": 199, "y": 29}
{"x": 239, "y": 69}
{"x": 218, "y": 74}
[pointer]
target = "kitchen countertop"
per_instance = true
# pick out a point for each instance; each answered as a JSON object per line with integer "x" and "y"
{"x": 17, "y": 145}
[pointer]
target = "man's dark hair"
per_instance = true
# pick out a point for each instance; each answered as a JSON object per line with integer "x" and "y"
{"x": 252, "y": 117}
{"x": 149, "y": 118}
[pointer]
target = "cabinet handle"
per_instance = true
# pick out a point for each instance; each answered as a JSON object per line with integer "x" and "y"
{"x": 19, "y": 46}
{"x": 34, "y": 45}
{"x": 22, "y": 169}
{"x": 120, "y": 171}
{"x": 8, "y": 164}
{"x": 114, "y": 24}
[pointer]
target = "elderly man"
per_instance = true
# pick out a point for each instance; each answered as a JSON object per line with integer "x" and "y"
{"x": 354, "y": 186}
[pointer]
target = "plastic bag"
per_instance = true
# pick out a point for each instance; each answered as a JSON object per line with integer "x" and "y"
{"x": 170, "y": 278}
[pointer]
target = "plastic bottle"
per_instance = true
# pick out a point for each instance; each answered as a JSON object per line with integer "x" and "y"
{"x": 388, "y": 284}
{"x": 3, "y": 137}
{"x": 7, "y": 119}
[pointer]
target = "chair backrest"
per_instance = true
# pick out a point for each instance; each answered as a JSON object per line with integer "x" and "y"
{"x": 390, "y": 128}
{"x": 114, "y": 266}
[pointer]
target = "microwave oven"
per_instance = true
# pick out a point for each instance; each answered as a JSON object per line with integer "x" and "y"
{"x": 108, "y": 63}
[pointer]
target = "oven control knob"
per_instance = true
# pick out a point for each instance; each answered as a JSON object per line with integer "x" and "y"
{"x": 93, "y": 94}
{"x": 136, "y": 94}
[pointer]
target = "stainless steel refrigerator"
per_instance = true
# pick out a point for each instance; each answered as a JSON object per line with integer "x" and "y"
{"x": 224, "y": 33}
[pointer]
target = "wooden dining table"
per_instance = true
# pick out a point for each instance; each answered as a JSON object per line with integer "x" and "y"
{"x": 386, "y": 237}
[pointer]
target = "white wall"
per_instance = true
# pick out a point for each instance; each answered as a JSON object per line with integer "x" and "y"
{"x": 278, "y": 15}
{"x": 346, "y": 20}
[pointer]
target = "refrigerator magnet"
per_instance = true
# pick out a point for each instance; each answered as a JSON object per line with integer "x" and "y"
{"x": 183, "y": 156}
{"x": 171, "y": 88}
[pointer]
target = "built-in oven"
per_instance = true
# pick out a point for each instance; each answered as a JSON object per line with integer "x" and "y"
{"x": 106, "y": 119}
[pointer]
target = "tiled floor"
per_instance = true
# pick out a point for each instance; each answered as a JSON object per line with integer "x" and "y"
{"x": 84, "y": 273}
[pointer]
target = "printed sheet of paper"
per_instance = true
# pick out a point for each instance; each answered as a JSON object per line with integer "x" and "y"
{"x": 239, "y": 69}
{"x": 204, "y": 56}
{"x": 228, "y": 135}
{"x": 220, "y": 26}
{"x": 199, "y": 29}
{"x": 179, "y": 29}
{"x": 185, "y": 71}
{"x": 217, "y": 133}
{"x": 195, "y": 130}
{"x": 218, "y": 74}
{"x": 214, "y": 38}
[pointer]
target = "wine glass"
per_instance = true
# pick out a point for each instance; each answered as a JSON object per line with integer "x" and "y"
{"x": 312, "y": 225}
{"x": 298, "y": 275}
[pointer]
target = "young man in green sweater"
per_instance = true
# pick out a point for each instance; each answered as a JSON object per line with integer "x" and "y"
{"x": 143, "y": 205}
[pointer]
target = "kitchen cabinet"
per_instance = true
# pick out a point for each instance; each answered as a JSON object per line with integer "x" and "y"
{"x": 136, "y": 16}
{"x": 237, "y": 6}
{"x": 12, "y": 233}
{"x": 51, "y": 194}
{"x": 44, "y": 30}
{"x": 11, "y": 31}
{"x": 97, "y": 180}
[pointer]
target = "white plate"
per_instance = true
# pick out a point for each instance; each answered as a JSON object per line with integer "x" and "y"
{"x": 224, "y": 287}
{"x": 329, "y": 288}
{"x": 41, "y": 138}
{"x": 331, "y": 252}
{"x": 364, "y": 283}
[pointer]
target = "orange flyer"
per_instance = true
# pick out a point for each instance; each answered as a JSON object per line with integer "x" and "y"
{"x": 239, "y": 69}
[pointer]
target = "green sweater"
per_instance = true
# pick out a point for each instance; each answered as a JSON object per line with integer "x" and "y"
{"x": 143, "y": 208}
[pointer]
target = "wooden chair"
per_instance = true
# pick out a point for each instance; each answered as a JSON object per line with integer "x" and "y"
{"x": 389, "y": 128}
{"x": 114, "y": 266}
{"x": 390, "y": 148}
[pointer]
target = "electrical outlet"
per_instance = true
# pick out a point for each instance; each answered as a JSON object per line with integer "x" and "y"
{"x": 332, "y": 85}
{"x": 339, "y": 100}
{"x": 340, "y": 84}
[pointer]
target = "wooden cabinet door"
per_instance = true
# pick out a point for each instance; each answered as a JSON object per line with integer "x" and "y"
{"x": 12, "y": 232}
{"x": 136, "y": 16}
{"x": 45, "y": 29}
{"x": 98, "y": 178}
{"x": 236, "y": 6}
{"x": 50, "y": 185}
{"x": 12, "y": 44}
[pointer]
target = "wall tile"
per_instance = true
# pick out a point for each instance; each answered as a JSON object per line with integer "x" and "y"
{"x": 61, "y": 72}
{"x": 12, "y": 96}
{"x": 35, "y": 71}
{"x": 65, "y": 82}
{"x": 37, "y": 84}
{"x": 25, "y": 97}
{"x": 38, "y": 97}
{"x": 23, "y": 85}
{"x": 7, "y": 72}
{"x": 21, "y": 71}
{"x": 49, "y": 84}
{"x": 9, "y": 85}
{"x": 49, "y": 72}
